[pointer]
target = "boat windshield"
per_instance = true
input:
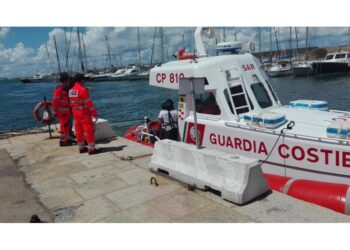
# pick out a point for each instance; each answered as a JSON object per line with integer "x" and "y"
{"x": 338, "y": 56}
{"x": 206, "y": 104}
{"x": 261, "y": 95}
{"x": 329, "y": 57}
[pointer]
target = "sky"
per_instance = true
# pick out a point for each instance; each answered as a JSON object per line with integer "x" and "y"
{"x": 23, "y": 49}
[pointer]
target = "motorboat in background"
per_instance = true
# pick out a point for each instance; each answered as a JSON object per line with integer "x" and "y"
{"x": 39, "y": 77}
{"x": 282, "y": 68}
{"x": 302, "y": 69}
{"x": 333, "y": 64}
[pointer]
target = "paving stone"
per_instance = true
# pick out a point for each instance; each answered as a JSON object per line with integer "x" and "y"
{"x": 138, "y": 214}
{"x": 101, "y": 186}
{"x": 95, "y": 173}
{"x": 179, "y": 204}
{"x": 56, "y": 198}
{"x": 142, "y": 162}
{"x": 134, "y": 195}
{"x": 215, "y": 213}
{"x": 57, "y": 192}
{"x": 94, "y": 210}
{"x": 66, "y": 169}
{"x": 135, "y": 176}
{"x": 130, "y": 149}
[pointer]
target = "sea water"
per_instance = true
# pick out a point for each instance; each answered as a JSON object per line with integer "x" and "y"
{"x": 126, "y": 103}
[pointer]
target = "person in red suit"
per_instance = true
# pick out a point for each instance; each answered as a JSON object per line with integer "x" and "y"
{"x": 62, "y": 109}
{"x": 83, "y": 112}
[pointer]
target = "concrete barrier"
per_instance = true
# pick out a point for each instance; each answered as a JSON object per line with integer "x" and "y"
{"x": 103, "y": 130}
{"x": 239, "y": 179}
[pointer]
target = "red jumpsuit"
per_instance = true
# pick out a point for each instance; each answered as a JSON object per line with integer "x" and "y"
{"x": 83, "y": 111}
{"x": 61, "y": 108}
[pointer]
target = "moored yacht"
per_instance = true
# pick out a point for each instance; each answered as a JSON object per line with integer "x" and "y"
{"x": 302, "y": 69}
{"x": 333, "y": 64}
{"x": 282, "y": 68}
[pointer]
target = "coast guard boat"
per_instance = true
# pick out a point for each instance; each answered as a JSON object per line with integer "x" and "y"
{"x": 304, "y": 147}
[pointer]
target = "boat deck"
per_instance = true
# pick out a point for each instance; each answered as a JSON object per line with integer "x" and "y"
{"x": 114, "y": 186}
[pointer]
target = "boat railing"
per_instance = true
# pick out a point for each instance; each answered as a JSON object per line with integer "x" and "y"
{"x": 290, "y": 135}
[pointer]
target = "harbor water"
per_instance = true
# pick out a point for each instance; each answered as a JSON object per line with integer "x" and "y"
{"x": 126, "y": 103}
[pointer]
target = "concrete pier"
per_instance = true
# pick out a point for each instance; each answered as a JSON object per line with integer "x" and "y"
{"x": 61, "y": 185}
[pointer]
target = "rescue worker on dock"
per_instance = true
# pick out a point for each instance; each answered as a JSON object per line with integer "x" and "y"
{"x": 62, "y": 109}
{"x": 83, "y": 112}
{"x": 168, "y": 120}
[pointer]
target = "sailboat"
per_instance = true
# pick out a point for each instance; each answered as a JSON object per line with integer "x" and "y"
{"x": 303, "y": 68}
{"x": 283, "y": 67}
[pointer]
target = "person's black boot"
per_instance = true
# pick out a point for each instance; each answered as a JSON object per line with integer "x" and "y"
{"x": 94, "y": 151}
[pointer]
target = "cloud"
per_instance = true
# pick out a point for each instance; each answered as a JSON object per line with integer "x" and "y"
{"x": 20, "y": 60}
{"x": 4, "y": 31}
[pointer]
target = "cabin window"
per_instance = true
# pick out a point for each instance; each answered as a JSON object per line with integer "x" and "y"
{"x": 206, "y": 104}
{"x": 329, "y": 57}
{"x": 261, "y": 95}
{"x": 339, "y": 56}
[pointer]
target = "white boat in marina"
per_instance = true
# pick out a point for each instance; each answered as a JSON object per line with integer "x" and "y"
{"x": 39, "y": 77}
{"x": 281, "y": 69}
{"x": 333, "y": 64}
{"x": 302, "y": 69}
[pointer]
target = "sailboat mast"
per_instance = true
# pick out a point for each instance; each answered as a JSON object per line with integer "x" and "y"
{"x": 48, "y": 55}
{"x": 290, "y": 41}
{"x": 271, "y": 43}
{"x": 154, "y": 40}
{"x": 306, "y": 42}
{"x": 183, "y": 40}
{"x": 80, "y": 53}
{"x": 278, "y": 52}
{"x": 67, "y": 48}
{"x": 108, "y": 52}
{"x": 224, "y": 34}
{"x": 297, "y": 40}
{"x": 259, "y": 34}
{"x": 58, "y": 58}
{"x": 138, "y": 47}
{"x": 162, "y": 45}
{"x": 85, "y": 57}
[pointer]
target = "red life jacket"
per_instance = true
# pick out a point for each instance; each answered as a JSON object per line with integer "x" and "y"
{"x": 80, "y": 100}
{"x": 60, "y": 101}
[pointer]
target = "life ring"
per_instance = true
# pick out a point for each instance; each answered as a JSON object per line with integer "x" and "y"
{"x": 39, "y": 111}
